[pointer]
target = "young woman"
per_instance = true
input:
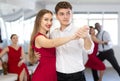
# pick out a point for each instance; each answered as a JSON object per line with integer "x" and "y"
{"x": 93, "y": 61}
{"x": 16, "y": 59}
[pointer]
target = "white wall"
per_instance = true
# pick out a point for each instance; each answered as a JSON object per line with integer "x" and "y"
{"x": 100, "y": 8}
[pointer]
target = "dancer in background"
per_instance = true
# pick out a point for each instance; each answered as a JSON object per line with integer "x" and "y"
{"x": 93, "y": 61}
{"x": 16, "y": 59}
{"x": 106, "y": 51}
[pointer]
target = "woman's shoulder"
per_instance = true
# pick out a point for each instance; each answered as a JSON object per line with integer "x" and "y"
{"x": 38, "y": 35}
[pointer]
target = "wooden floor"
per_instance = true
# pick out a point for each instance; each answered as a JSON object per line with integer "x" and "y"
{"x": 109, "y": 75}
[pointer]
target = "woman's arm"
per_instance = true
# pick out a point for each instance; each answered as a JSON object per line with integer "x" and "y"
{"x": 95, "y": 39}
{"x": 42, "y": 41}
{"x": 4, "y": 51}
{"x": 22, "y": 58}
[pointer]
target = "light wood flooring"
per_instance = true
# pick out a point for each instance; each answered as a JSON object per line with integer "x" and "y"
{"x": 109, "y": 75}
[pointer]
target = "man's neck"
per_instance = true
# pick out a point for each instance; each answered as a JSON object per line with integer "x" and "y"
{"x": 63, "y": 27}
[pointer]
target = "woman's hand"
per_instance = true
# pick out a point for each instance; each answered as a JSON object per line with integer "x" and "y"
{"x": 83, "y": 32}
{"x": 20, "y": 62}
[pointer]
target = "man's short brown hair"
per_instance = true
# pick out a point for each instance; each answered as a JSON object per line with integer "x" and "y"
{"x": 63, "y": 5}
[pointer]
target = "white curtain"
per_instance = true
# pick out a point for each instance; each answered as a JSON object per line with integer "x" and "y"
{"x": 21, "y": 27}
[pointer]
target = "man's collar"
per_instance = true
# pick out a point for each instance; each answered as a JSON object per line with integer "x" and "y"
{"x": 69, "y": 27}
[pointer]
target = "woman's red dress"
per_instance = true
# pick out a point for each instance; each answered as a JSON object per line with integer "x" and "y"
{"x": 46, "y": 69}
{"x": 93, "y": 61}
{"x": 13, "y": 60}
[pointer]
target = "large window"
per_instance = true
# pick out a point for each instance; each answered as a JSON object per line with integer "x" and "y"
{"x": 80, "y": 19}
{"x": 109, "y": 21}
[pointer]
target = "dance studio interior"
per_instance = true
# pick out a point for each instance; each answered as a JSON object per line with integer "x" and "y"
{"x": 18, "y": 16}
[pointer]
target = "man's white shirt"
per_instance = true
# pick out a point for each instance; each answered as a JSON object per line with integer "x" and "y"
{"x": 69, "y": 58}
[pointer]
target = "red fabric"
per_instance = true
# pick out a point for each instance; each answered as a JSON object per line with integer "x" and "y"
{"x": 0, "y": 49}
{"x": 93, "y": 61}
{"x": 0, "y": 60}
{"x": 46, "y": 69}
{"x": 13, "y": 59}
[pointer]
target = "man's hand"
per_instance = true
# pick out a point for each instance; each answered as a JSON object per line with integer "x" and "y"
{"x": 37, "y": 55}
{"x": 105, "y": 42}
{"x": 83, "y": 32}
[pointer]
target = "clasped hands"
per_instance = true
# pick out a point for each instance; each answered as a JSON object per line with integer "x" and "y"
{"x": 82, "y": 32}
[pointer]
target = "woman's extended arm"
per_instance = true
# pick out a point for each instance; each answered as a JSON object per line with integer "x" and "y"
{"x": 42, "y": 41}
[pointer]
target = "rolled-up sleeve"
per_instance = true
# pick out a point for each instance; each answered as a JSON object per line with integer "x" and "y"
{"x": 81, "y": 41}
{"x": 90, "y": 50}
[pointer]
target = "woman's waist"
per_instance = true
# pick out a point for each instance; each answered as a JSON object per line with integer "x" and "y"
{"x": 48, "y": 55}
{"x": 48, "y": 60}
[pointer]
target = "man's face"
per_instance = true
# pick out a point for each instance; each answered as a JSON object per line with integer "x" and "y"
{"x": 97, "y": 26}
{"x": 64, "y": 16}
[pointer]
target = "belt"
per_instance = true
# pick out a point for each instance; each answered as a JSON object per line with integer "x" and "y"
{"x": 105, "y": 50}
{"x": 70, "y": 74}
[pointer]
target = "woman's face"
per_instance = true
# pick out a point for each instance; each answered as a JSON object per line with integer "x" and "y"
{"x": 46, "y": 22}
{"x": 14, "y": 39}
{"x": 92, "y": 31}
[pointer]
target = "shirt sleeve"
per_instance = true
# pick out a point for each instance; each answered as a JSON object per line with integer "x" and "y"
{"x": 81, "y": 42}
{"x": 90, "y": 50}
{"x": 107, "y": 38}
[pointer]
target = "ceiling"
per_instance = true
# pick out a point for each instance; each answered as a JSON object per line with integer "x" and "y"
{"x": 11, "y": 6}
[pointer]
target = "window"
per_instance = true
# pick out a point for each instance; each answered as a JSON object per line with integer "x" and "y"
{"x": 110, "y": 24}
{"x": 80, "y": 19}
{"x": 109, "y": 21}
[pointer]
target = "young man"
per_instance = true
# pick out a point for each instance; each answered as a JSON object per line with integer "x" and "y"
{"x": 69, "y": 59}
